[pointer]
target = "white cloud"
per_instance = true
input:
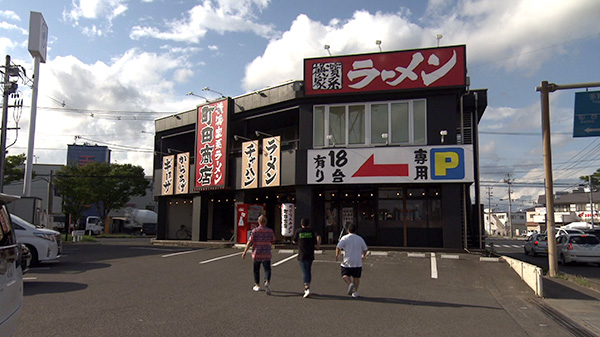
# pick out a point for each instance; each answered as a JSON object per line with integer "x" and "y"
{"x": 104, "y": 10}
{"x": 10, "y": 15}
{"x": 504, "y": 33}
{"x": 222, "y": 16}
{"x": 130, "y": 84}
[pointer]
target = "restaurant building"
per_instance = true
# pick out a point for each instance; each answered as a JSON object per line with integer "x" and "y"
{"x": 386, "y": 141}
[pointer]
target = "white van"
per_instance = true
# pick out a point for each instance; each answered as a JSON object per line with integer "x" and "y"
{"x": 11, "y": 273}
{"x": 44, "y": 244}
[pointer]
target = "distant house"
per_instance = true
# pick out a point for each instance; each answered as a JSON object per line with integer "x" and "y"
{"x": 568, "y": 207}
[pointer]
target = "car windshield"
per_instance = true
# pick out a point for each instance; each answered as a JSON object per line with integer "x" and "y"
{"x": 21, "y": 222}
{"x": 542, "y": 237}
{"x": 585, "y": 240}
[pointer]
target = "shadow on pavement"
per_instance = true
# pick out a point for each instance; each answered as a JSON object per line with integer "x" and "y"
{"x": 553, "y": 288}
{"x": 31, "y": 288}
{"x": 397, "y": 301}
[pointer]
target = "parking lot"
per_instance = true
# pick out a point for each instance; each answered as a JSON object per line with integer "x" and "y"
{"x": 128, "y": 287}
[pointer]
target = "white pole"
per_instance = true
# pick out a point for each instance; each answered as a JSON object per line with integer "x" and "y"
{"x": 29, "y": 163}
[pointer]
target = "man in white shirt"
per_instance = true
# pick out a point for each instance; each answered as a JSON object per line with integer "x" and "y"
{"x": 355, "y": 251}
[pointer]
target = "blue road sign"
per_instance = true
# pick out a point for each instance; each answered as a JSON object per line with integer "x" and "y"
{"x": 587, "y": 114}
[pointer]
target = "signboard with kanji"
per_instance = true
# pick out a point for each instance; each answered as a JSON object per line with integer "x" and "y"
{"x": 271, "y": 149}
{"x": 587, "y": 114}
{"x": 167, "y": 175}
{"x": 417, "y": 164}
{"x": 249, "y": 172}
{"x": 411, "y": 69}
{"x": 211, "y": 145}
{"x": 182, "y": 171}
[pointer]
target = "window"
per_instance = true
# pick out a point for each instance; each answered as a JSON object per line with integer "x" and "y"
{"x": 376, "y": 123}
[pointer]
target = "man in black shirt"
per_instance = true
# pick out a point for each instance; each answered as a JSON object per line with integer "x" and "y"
{"x": 307, "y": 240}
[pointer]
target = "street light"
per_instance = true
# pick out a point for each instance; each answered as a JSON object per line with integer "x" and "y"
{"x": 191, "y": 93}
{"x": 209, "y": 89}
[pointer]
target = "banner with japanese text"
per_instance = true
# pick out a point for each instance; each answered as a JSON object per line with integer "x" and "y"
{"x": 167, "y": 175}
{"x": 415, "y": 164}
{"x": 183, "y": 168}
{"x": 399, "y": 70}
{"x": 211, "y": 146}
{"x": 249, "y": 172}
{"x": 271, "y": 151}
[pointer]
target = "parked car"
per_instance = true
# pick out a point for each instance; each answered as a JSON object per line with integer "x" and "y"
{"x": 44, "y": 244}
{"x": 568, "y": 231}
{"x": 594, "y": 231}
{"x": 536, "y": 244}
{"x": 11, "y": 272}
{"x": 578, "y": 248}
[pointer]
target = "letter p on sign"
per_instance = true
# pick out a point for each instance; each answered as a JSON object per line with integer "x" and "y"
{"x": 447, "y": 163}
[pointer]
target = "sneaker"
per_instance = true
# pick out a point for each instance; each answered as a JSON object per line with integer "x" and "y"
{"x": 256, "y": 287}
{"x": 306, "y": 293}
{"x": 355, "y": 294}
{"x": 267, "y": 288}
{"x": 350, "y": 288}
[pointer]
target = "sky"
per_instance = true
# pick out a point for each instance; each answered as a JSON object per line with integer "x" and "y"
{"x": 113, "y": 66}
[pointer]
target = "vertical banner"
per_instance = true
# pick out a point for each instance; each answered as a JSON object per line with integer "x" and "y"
{"x": 211, "y": 146}
{"x": 249, "y": 172}
{"x": 183, "y": 173}
{"x": 271, "y": 151}
{"x": 167, "y": 175}
{"x": 287, "y": 219}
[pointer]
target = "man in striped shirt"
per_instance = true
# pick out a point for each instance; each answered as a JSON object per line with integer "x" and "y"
{"x": 261, "y": 239}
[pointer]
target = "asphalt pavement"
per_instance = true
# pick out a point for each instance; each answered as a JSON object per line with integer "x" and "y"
{"x": 128, "y": 287}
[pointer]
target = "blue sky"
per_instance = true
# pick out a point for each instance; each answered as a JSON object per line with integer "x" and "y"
{"x": 115, "y": 65}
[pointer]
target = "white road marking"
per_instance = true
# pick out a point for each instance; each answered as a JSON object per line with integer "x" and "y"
{"x": 284, "y": 260}
{"x": 184, "y": 252}
{"x": 450, "y": 256}
{"x": 434, "y": 272}
{"x": 286, "y": 251}
{"x": 416, "y": 254}
{"x": 220, "y": 258}
{"x": 378, "y": 253}
{"x": 29, "y": 278}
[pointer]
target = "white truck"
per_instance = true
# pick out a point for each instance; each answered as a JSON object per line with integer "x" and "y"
{"x": 94, "y": 225}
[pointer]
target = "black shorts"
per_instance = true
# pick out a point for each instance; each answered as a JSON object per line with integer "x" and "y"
{"x": 353, "y": 272}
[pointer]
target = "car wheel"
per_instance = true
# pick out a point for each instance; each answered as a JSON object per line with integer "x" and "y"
{"x": 525, "y": 249}
{"x": 34, "y": 255}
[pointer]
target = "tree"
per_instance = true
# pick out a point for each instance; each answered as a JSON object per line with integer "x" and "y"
{"x": 595, "y": 179}
{"x": 107, "y": 186}
{"x": 12, "y": 172}
{"x": 119, "y": 184}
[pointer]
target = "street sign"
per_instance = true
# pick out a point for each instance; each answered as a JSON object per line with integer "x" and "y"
{"x": 587, "y": 114}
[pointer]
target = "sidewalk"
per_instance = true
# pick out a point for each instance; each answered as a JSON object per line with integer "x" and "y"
{"x": 576, "y": 303}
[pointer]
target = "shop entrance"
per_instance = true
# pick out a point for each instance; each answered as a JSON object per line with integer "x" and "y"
{"x": 343, "y": 208}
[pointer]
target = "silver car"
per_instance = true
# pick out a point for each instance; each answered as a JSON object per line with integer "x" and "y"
{"x": 536, "y": 244}
{"x": 578, "y": 248}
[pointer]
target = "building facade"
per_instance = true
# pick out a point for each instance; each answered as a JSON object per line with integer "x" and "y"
{"x": 384, "y": 141}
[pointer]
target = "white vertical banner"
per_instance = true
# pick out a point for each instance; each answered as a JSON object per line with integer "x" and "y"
{"x": 271, "y": 149}
{"x": 287, "y": 219}
{"x": 183, "y": 167}
{"x": 167, "y": 175}
{"x": 249, "y": 172}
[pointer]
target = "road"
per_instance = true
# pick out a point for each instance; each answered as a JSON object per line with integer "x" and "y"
{"x": 514, "y": 249}
{"x": 130, "y": 288}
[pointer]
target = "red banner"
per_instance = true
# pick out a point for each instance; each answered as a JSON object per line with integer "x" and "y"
{"x": 412, "y": 69}
{"x": 211, "y": 146}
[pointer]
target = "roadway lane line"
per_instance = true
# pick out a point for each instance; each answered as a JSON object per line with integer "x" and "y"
{"x": 185, "y": 252}
{"x": 284, "y": 260}
{"x": 434, "y": 272}
{"x": 220, "y": 258}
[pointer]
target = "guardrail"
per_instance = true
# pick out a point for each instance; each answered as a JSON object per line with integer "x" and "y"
{"x": 530, "y": 274}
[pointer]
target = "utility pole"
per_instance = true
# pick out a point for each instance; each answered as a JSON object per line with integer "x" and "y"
{"x": 6, "y": 85}
{"x": 489, "y": 194}
{"x": 509, "y": 182}
{"x": 592, "y": 200}
{"x": 545, "y": 89}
